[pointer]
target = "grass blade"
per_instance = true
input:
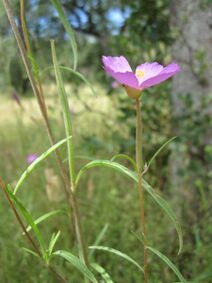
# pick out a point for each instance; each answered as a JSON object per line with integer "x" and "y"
{"x": 27, "y": 216}
{"x": 105, "y": 276}
{"x": 37, "y": 161}
{"x": 68, "y": 29}
{"x": 99, "y": 238}
{"x": 80, "y": 76}
{"x": 106, "y": 163}
{"x": 77, "y": 74}
{"x": 66, "y": 111}
{"x": 124, "y": 156}
{"x": 118, "y": 253}
{"x": 125, "y": 171}
{"x": 46, "y": 216}
{"x": 53, "y": 241}
{"x": 169, "y": 263}
{"x": 77, "y": 263}
{"x": 30, "y": 252}
{"x": 160, "y": 149}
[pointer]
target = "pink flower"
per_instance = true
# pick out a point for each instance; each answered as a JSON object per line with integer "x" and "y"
{"x": 31, "y": 157}
{"x": 145, "y": 75}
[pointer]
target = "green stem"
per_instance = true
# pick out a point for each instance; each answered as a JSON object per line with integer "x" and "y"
{"x": 69, "y": 132}
{"x": 139, "y": 171}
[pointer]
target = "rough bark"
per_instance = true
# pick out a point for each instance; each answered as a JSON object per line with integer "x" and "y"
{"x": 191, "y": 22}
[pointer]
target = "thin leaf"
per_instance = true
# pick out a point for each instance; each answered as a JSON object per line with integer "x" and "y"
{"x": 160, "y": 149}
{"x": 76, "y": 262}
{"x": 30, "y": 252}
{"x": 28, "y": 219}
{"x": 118, "y": 253}
{"x": 106, "y": 163}
{"x": 102, "y": 272}
{"x": 66, "y": 111}
{"x": 125, "y": 171}
{"x": 53, "y": 242}
{"x": 46, "y": 216}
{"x": 99, "y": 238}
{"x": 169, "y": 212}
{"x": 77, "y": 74}
{"x": 169, "y": 263}
{"x": 37, "y": 161}
{"x": 68, "y": 29}
{"x": 125, "y": 157}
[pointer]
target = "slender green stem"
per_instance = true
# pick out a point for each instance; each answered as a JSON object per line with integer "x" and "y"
{"x": 69, "y": 132}
{"x": 139, "y": 171}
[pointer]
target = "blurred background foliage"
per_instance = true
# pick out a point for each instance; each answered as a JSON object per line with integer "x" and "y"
{"x": 141, "y": 31}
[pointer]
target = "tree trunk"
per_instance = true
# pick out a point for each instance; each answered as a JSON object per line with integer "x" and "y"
{"x": 191, "y": 22}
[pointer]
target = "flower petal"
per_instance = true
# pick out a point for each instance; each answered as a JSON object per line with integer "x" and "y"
{"x": 165, "y": 74}
{"x": 147, "y": 70}
{"x": 127, "y": 78}
{"x": 120, "y": 70}
{"x": 116, "y": 64}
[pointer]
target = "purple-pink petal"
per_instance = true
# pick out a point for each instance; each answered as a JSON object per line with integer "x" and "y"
{"x": 165, "y": 74}
{"x": 149, "y": 70}
{"x": 126, "y": 78}
{"x": 116, "y": 64}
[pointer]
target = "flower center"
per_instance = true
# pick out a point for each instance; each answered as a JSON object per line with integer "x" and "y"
{"x": 139, "y": 74}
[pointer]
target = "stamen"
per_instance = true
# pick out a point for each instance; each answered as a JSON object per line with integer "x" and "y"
{"x": 139, "y": 74}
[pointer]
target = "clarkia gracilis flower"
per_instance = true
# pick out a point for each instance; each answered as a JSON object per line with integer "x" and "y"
{"x": 145, "y": 75}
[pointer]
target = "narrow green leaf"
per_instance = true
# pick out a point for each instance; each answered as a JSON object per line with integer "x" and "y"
{"x": 75, "y": 73}
{"x": 106, "y": 163}
{"x": 68, "y": 29}
{"x": 118, "y": 253}
{"x": 102, "y": 272}
{"x": 76, "y": 262}
{"x": 160, "y": 149}
{"x": 53, "y": 241}
{"x": 124, "y": 156}
{"x": 66, "y": 111}
{"x": 99, "y": 238}
{"x": 169, "y": 263}
{"x": 30, "y": 252}
{"x": 80, "y": 76}
{"x": 37, "y": 161}
{"x": 169, "y": 212}
{"x": 46, "y": 216}
{"x": 35, "y": 67}
{"x": 125, "y": 171}
{"x": 27, "y": 216}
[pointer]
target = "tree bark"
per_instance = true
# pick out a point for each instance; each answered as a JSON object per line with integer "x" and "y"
{"x": 191, "y": 22}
